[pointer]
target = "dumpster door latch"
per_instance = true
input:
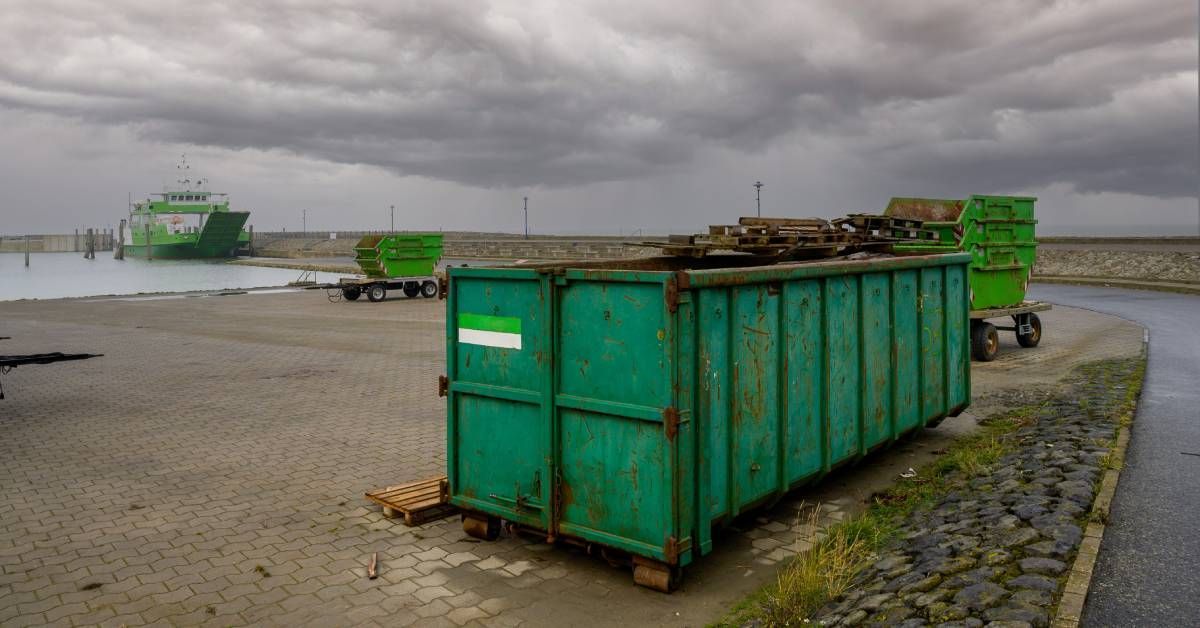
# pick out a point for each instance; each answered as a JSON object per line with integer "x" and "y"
{"x": 443, "y": 385}
{"x": 670, "y": 422}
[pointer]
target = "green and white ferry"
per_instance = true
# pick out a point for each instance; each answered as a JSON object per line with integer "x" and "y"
{"x": 186, "y": 223}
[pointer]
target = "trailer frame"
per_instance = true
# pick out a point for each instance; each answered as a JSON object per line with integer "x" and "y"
{"x": 376, "y": 288}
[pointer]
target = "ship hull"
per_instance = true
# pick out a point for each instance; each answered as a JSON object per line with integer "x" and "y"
{"x": 181, "y": 250}
{"x": 218, "y": 239}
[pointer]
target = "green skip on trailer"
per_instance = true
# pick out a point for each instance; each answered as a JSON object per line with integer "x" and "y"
{"x": 398, "y": 254}
{"x": 635, "y": 405}
{"x": 999, "y": 233}
{"x": 397, "y": 261}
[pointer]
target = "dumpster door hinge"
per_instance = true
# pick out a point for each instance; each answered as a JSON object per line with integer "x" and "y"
{"x": 670, "y": 422}
{"x": 674, "y": 284}
{"x": 443, "y": 385}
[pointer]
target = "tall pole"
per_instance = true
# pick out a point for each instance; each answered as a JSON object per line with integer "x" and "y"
{"x": 526, "y": 217}
{"x": 393, "y": 219}
{"x": 758, "y": 185}
{"x": 304, "y": 220}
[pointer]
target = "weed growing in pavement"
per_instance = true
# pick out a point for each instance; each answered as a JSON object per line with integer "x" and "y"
{"x": 826, "y": 570}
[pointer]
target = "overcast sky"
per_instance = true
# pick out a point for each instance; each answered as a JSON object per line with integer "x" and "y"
{"x": 609, "y": 115}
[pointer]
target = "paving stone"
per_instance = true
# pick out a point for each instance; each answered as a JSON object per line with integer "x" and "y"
{"x": 1046, "y": 566}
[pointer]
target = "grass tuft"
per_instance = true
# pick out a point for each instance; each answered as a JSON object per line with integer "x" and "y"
{"x": 823, "y": 572}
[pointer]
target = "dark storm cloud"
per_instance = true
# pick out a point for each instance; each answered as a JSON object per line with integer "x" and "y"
{"x": 1008, "y": 94}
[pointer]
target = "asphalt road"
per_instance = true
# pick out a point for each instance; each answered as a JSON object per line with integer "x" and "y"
{"x": 1148, "y": 572}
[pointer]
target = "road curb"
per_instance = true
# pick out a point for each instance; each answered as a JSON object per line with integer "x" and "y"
{"x": 1070, "y": 606}
{"x": 1132, "y": 284}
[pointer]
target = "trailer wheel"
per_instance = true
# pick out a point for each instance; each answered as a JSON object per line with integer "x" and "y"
{"x": 351, "y": 294}
{"x": 985, "y": 341}
{"x": 1034, "y": 336}
{"x": 411, "y": 289}
{"x": 376, "y": 293}
{"x": 429, "y": 289}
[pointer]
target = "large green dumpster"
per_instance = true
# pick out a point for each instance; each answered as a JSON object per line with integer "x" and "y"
{"x": 398, "y": 254}
{"x": 636, "y": 404}
{"x": 998, "y": 232}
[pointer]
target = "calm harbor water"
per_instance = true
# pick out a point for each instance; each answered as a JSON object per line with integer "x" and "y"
{"x": 58, "y": 275}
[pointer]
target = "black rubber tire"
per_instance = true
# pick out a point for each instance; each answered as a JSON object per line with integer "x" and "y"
{"x": 411, "y": 289}
{"x": 1032, "y": 339}
{"x": 351, "y": 294}
{"x": 985, "y": 341}
{"x": 429, "y": 289}
{"x": 376, "y": 293}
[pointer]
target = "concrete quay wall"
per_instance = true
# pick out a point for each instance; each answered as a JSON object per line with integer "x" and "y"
{"x": 467, "y": 245}
{"x": 56, "y": 242}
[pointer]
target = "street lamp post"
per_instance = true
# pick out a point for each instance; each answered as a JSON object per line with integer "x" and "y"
{"x": 758, "y": 185}
{"x": 393, "y": 207}
{"x": 526, "y": 217}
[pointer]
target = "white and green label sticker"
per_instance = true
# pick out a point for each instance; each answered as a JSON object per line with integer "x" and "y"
{"x": 490, "y": 331}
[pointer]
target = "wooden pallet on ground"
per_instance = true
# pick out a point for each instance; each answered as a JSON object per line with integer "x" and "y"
{"x": 419, "y": 502}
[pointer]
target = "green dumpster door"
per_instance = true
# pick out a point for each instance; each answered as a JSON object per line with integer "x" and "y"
{"x": 614, "y": 377}
{"x": 499, "y": 340}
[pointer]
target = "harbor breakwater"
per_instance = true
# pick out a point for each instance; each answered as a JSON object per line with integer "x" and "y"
{"x": 57, "y": 243}
{"x": 467, "y": 245}
{"x": 1135, "y": 258}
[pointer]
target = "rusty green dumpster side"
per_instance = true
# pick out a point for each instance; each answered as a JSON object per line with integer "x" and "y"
{"x": 636, "y": 407}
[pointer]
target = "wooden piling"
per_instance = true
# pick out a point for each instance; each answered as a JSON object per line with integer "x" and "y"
{"x": 27, "y": 251}
{"x": 119, "y": 247}
{"x": 250, "y": 244}
{"x": 89, "y": 244}
{"x": 149, "y": 248}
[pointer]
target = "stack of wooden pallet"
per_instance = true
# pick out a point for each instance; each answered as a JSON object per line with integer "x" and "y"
{"x": 798, "y": 238}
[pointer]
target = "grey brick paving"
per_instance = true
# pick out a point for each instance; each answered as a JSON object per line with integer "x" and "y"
{"x": 209, "y": 470}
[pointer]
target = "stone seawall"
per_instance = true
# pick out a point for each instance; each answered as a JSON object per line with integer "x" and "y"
{"x": 475, "y": 246}
{"x": 1174, "y": 260}
{"x": 55, "y": 243}
{"x": 1176, "y": 266}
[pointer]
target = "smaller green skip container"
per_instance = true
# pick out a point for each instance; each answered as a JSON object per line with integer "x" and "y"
{"x": 398, "y": 254}
{"x": 998, "y": 232}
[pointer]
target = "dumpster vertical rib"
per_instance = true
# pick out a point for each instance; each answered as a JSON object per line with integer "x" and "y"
{"x": 781, "y": 398}
{"x": 730, "y": 436}
{"x": 671, "y": 354}
{"x": 945, "y": 299}
{"x": 862, "y": 368}
{"x": 921, "y": 347}
{"x": 894, "y": 358}
{"x": 550, "y": 414}
{"x": 826, "y": 438}
{"x": 451, "y": 376}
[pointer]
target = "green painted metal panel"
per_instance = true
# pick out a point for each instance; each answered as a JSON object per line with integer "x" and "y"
{"x": 998, "y": 232}
{"x": 644, "y": 407}
{"x": 398, "y": 254}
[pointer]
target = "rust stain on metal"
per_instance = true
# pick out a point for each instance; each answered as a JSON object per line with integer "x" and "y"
{"x": 671, "y": 422}
{"x": 925, "y": 209}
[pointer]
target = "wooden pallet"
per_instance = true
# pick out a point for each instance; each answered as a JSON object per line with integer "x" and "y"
{"x": 419, "y": 502}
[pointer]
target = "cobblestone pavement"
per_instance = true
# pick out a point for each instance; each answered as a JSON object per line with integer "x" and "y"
{"x": 210, "y": 470}
{"x": 997, "y": 548}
